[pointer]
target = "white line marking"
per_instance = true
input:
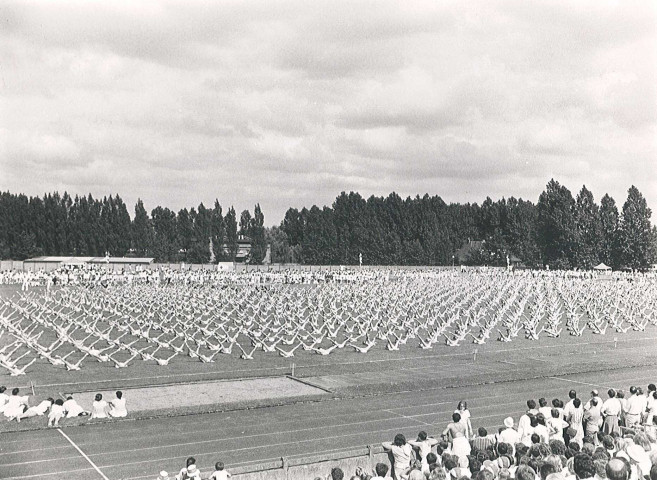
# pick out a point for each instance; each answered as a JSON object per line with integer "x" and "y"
{"x": 583, "y": 383}
{"x": 83, "y": 454}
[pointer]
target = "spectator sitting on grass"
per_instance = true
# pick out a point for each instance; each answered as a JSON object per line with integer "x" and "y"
{"x": 336, "y": 474}
{"x": 56, "y": 413}
{"x": 183, "y": 472}
{"x": 117, "y": 408}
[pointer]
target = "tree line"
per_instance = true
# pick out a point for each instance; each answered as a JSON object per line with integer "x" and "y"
{"x": 85, "y": 226}
{"x": 560, "y": 230}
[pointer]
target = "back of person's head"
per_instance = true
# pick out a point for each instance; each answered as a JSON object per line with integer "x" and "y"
{"x": 381, "y": 469}
{"x": 400, "y": 440}
{"x": 540, "y": 418}
{"x": 50, "y": 399}
{"x": 437, "y": 474}
{"x": 652, "y": 387}
{"x": 583, "y": 466}
{"x": 337, "y": 473}
{"x": 456, "y": 417}
{"x": 600, "y": 466}
{"x": 642, "y": 440}
{"x": 485, "y": 474}
{"x": 431, "y": 458}
{"x": 546, "y": 469}
{"x": 617, "y": 469}
{"x": 449, "y": 463}
{"x": 542, "y": 402}
{"x": 422, "y": 436}
{"x": 502, "y": 448}
{"x": 119, "y": 394}
{"x": 219, "y": 466}
{"x": 577, "y": 402}
{"x": 632, "y": 389}
{"x": 555, "y": 413}
{"x": 531, "y": 404}
{"x": 525, "y": 472}
{"x": 572, "y": 394}
{"x": 594, "y": 402}
{"x": 611, "y": 392}
{"x": 70, "y": 397}
{"x": 554, "y": 460}
{"x": 555, "y": 402}
{"x": 3, "y": 389}
{"x": 482, "y": 431}
{"x": 98, "y": 397}
{"x": 536, "y": 438}
{"x": 190, "y": 461}
{"x": 620, "y": 394}
{"x": 533, "y": 421}
{"x": 15, "y": 391}
{"x": 59, "y": 402}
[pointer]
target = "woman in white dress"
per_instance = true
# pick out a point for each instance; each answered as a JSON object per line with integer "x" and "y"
{"x": 462, "y": 410}
{"x": 117, "y": 408}
{"x": 99, "y": 407}
{"x": 16, "y": 404}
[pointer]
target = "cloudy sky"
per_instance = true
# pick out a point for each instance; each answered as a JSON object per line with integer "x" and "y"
{"x": 289, "y": 103}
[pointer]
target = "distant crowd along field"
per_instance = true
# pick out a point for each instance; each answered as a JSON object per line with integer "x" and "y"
{"x": 86, "y": 316}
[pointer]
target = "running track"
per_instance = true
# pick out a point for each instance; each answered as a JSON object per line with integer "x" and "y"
{"x": 140, "y": 449}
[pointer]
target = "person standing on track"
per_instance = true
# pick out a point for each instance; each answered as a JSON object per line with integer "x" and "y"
{"x": 462, "y": 409}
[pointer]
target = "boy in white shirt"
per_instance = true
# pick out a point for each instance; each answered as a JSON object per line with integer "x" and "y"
{"x": 219, "y": 472}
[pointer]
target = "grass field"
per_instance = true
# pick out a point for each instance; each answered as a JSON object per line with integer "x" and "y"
{"x": 367, "y": 399}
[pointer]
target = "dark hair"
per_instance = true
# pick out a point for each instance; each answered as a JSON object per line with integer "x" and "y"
{"x": 555, "y": 413}
{"x": 652, "y": 387}
{"x": 50, "y": 399}
{"x": 456, "y": 417}
{"x": 449, "y": 463}
{"x": 533, "y": 421}
{"x": 482, "y": 431}
{"x": 337, "y": 473}
{"x": 99, "y": 397}
{"x": 381, "y": 469}
{"x": 59, "y": 402}
{"x": 531, "y": 404}
{"x": 572, "y": 394}
{"x": 2, "y": 389}
{"x": 219, "y": 466}
{"x": 400, "y": 440}
{"x": 555, "y": 403}
{"x": 15, "y": 391}
{"x": 431, "y": 458}
{"x": 422, "y": 435}
{"x": 190, "y": 461}
{"x": 594, "y": 402}
{"x": 611, "y": 392}
{"x": 546, "y": 469}
{"x": 119, "y": 394}
{"x": 653, "y": 472}
{"x": 536, "y": 438}
{"x": 583, "y": 466}
{"x": 542, "y": 402}
{"x": 577, "y": 402}
{"x": 484, "y": 474}
{"x": 557, "y": 447}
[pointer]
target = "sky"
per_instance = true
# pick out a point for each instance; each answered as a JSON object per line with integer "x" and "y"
{"x": 289, "y": 103}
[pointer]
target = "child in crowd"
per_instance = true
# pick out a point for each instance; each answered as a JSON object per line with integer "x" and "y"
{"x": 219, "y": 472}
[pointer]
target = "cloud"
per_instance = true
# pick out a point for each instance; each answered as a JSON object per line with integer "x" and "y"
{"x": 289, "y": 103}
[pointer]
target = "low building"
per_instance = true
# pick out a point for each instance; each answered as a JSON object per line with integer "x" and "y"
{"x": 50, "y": 263}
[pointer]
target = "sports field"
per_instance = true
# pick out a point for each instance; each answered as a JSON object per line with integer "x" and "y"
{"x": 246, "y": 412}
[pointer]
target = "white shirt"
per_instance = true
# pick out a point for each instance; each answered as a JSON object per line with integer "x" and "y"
{"x": 99, "y": 409}
{"x": 41, "y": 408}
{"x": 118, "y": 408}
{"x": 72, "y": 408}
{"x": 612, "y": 406}
{"x": 636, "y": 405}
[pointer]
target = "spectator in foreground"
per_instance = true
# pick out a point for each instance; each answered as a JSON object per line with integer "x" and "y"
{"x": 220, "y": 473}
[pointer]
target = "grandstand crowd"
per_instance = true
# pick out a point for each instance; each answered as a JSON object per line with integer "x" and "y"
{"x": 614, "y": 438}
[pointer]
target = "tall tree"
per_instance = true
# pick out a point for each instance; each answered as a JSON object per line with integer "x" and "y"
{"x": 230, "y": 223}
{"x": 142, "y": 231}
{"x": 165, "y": 235}
{"x": 589, "y": 230}
{"x": 257, "y": 234}
{"x": 635, "y": 231}
{"x": 557, "y": 229}
{"x": 218, "y": 232}
{"x": 609, "y": 232}
{"x": 245, "y": 222}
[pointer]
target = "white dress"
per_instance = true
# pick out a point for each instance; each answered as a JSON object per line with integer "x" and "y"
{"x": 99, "y": 409}
{"x": 14, "y": 407}
{"x": 118, "y": 408}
